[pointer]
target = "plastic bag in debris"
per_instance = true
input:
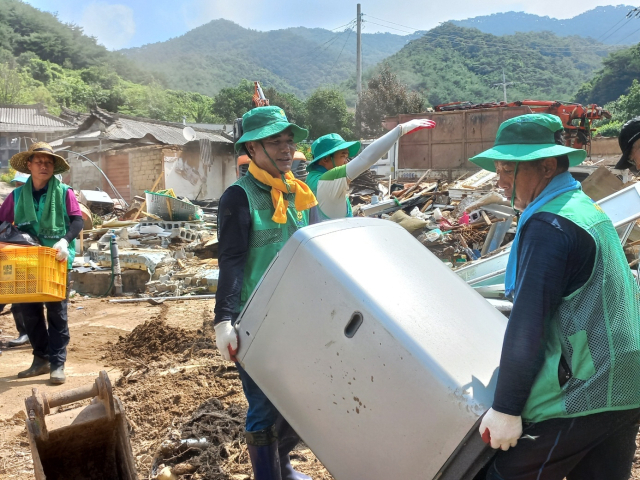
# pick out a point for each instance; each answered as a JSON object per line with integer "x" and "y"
{"x": 10, "y": 234}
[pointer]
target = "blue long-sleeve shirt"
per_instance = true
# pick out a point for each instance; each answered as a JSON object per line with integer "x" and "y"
{"x": 555, "y": 258}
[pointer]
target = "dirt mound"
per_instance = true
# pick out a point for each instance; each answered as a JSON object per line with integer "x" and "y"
{"x": 155, "y": 340}
{"x": 211, "y": 446}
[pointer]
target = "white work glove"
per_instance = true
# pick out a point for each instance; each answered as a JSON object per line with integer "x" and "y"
{"x": 414, "y": 125}
{"x": 226, "y": 340}
{"x": 62, "y": 247}
{"x": 501, "y": 430}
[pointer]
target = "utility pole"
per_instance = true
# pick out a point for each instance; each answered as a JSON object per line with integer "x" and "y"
{"x": 358, "y": 68}
{"x": 504, "y": 85}
{"x": 359, "y": 54}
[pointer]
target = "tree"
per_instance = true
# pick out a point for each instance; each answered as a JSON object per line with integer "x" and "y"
{"x": 292, "y": 105}
{"x": 327, "y": 113}
{"x": 10, "y": 84}
{"x": 620, "y": 69}
{"x": 233, "y": 102}
{"x": 385, "y": 96}
{"x": 623, "y": 109}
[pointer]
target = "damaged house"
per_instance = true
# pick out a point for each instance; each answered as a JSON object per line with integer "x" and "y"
{"x": 138, "y": 153}
{"x": 22, "y": 125}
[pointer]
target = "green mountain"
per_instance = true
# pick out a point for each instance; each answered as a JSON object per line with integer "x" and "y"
{"x": 25, "y": 30}
{"x": 295, "y": 60}
{"x": 451, "y": 63}
{"x": 619, "y": 71}
{"x": 44, "y": 60}
{"x": 607, "y": 24}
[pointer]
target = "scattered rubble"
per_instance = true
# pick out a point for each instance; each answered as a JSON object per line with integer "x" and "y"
{"x": 185, "y": 405}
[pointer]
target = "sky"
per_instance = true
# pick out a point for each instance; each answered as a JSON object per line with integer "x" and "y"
{"x": 132, "y": 23}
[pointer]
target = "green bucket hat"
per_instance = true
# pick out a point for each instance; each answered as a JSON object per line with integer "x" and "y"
{"x": 263, "y": 122}
{"x": 329, "y": 144}
{"x": 527, "y": 138}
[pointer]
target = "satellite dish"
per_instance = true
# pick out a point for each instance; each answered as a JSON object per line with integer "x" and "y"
{"x": 189, "y": 134}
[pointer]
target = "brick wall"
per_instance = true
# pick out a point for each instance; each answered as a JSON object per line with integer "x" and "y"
{"x": 145, "y": 164}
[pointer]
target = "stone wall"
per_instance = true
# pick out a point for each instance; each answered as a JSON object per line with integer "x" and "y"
{"x": 83, "y": 175}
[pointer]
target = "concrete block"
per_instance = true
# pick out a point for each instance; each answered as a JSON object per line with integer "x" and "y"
{"x": 96, "y": 283}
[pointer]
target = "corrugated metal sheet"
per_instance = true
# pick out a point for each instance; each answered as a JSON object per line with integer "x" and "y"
{"x": 129, "y": 129}
{"x": 17, "y": 117}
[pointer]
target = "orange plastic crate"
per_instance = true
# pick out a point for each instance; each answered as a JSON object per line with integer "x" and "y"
{"x": 31, "y": 274}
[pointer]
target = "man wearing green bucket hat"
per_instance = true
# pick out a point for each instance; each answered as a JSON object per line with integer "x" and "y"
{"x": 330, "y": 174}
{"x": 256, "y": 216}
{"x": 569, "y": 375}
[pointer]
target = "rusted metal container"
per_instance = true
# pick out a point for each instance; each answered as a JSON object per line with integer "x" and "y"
{"x": 90, "y": 442}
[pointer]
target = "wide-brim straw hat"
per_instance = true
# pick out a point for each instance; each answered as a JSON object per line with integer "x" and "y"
{"x": 19, "y": 161}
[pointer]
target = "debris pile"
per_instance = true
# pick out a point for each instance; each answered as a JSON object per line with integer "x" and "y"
{"x": 169, "y": 242}
{"x": 185, "y": 405}
{"x": 458, "y": 222}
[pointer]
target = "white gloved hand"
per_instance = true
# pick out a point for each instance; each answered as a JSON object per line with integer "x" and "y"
{"x": 418, "y": 124}
{"x": 62, "y": 247}
{"x": 503, "y": 430}
{"x": 226, "y": 340}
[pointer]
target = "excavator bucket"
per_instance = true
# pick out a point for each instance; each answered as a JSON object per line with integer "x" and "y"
{"x": 89, "y": 442}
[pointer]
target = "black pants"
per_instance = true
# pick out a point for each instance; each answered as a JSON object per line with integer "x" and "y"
{"x": 17, "y": 317}
{"x": 49, "y": 342}
{"x": 594, "y": 447}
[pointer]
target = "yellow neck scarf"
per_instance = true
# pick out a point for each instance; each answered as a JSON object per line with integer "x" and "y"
{"x": 304, "y": 200}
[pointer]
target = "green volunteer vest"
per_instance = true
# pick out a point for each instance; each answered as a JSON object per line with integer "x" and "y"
{"x": 267, "y": 237}
{"x": 39, "y": 206}
{"x": 596, "y": 329}
{"x": 313, "y": 178}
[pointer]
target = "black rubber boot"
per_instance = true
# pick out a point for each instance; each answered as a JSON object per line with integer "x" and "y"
{"x": 263, "y": 451}
{"x": 21, "y": 340}
{"x": 40, "y": 366}
{"x": 287, "y": 441}
{"x": 57, "y": 376}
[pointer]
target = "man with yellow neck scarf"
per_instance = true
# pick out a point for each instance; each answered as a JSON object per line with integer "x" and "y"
{"x": 256, "y": 216}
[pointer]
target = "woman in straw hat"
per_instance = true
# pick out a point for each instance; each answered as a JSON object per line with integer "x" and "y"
{"x": 48, "y": 210}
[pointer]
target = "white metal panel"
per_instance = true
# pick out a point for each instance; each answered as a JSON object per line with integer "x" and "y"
{"x": 395, "y": 399}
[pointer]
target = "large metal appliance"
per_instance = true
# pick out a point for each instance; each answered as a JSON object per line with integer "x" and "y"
{"x": 377, "y": 354}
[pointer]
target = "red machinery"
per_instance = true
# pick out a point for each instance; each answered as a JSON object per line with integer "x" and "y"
{"x": 258, "y": 98}
{"x": 575, "y": 117}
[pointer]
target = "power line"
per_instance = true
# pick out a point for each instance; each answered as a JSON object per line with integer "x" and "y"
{"x": 618, "y": 30}
{"x": 325, "y": 45}
{"x": 346, "y": 24}
{"x": 345, "y": 44}
{"x": 630, "y": 35}
{"x": 386, "y": 26}
{"x": 393, "y": 23}
{"x": 603, "y": 34}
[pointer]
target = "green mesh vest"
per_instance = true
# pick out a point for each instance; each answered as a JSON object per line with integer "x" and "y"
{"x": 267, "y": 237}
{"x": 316, "y": 172}
{"x": 596, "y": 329}
{"x": 47, "y": 242}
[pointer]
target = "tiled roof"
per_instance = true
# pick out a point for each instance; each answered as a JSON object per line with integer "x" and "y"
{"x": 123, "y": 127}
{"x": 128, "y": 129}
{"x": 30, "y": 118}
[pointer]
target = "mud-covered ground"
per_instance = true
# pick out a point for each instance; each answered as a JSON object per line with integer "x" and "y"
{"x": 165, "y": 368}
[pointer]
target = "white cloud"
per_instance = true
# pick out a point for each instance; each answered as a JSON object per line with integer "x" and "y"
{"x": 112, "y": 25}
